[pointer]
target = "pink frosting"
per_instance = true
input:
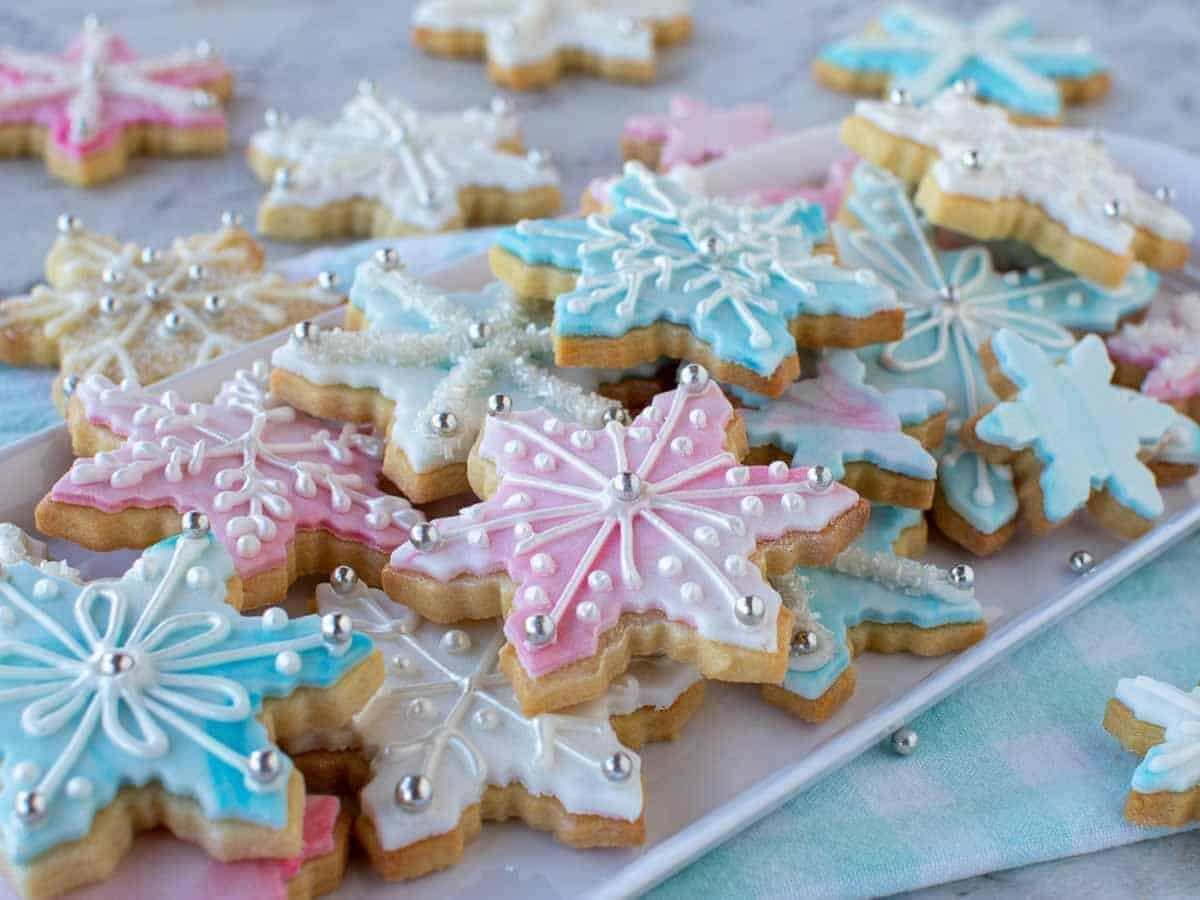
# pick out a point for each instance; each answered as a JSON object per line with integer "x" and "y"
{"x": 162, "y": 865}
{"x": 1167, "y": 343}
{"x": 693, "y": 132}
{"x": 259, "y": 469}
{"x": 47, "y": 90}
{"x": 583, "y": 555}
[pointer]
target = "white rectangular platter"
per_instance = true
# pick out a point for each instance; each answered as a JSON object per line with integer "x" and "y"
{"x": 739, "y": 758}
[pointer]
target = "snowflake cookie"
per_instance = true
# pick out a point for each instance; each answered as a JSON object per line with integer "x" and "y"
{"x": 1161, "y": 723}
{"x": 286, "y": 492}
{"x": 1075, "y": 439}
{"x": 873, "y": 442}
{"x": 1057, "y": 190}
{"x": 89, "y": 109}
{"x": 692, "y": 132}
{"x": 954, "y": 300}
{"x": 140, "y": 314}
{"x": 423, "y": 368}
{"x": 602, "y": 545}
{"x": 449, "y": 747}
{"x": 670, "y": 273}
{"x": 146, "y": 700}
{"x": 382, "y": 168}
{"x": 529, "y": 44}
{"x": 871, "y": 598}
{"x": 919, "y": 53}
{"x": 1161, "y": 355}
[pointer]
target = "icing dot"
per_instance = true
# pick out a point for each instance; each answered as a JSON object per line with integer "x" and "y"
{"x": 682, "y": 446}
{"x": 44, "y": 589}
{"x": 792, "y": 502}
{"x": 544, "y": 462}
{"x": 640, "y": 434}
{"x": 519, "y": 500}
{"x": 1037, "y": 301}
{"x": 752, "y": 506}
{"x": 1036, "y": 273}
{"x": 1075, "y": 299}
{"x": 535, "y": 596}
{"x": 79, "y": 788}
{"x": 456, "y": 641}
{"x": 1012, "y": 278}
{"x": 699, "y": 418}
{"x": 477, "y": 537}
{"x": 600, "y": 580}
{"x": 691, "y": 592}
{"x": 487, "y": 719}
{"x": 472, "y": 512}
{"x": 514, "y": 448}
{"x": 197, "y": 577}
{"x": 865, "y": 277}
{"x": 7, "y": 617}
{"x": 248, "y": 546}
{"x": 653, "y": 414}
{"x": 735, "y": 566}
{"x": 737, "y": 475}
{"x": 522, "y": 530}
{"x": 670, "y": 565}
{"x": 403, "y": 665}
{"x": 274, "y": 619}
{"x": 144, "y": 568}
{"x": 706, "y": 536}
{"x": 582, "y": 440}
{"x": 552, "y": 426}
{"x": 287, "y": 662}
{"x": 26, "y": 772}
{"x": 543, "y": 564}
{"x": 778, "y": 470}
{"x": 587, "y": 611}
{"x": 419, "y": 708}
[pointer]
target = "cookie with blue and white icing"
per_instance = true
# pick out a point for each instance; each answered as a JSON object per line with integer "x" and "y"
{"x": 918, "y": 52}
{"x": 146, "y": 700}
{"x": 872, "y": 441}
{"x": 1161, "y": 723}
{"x": 733, "y": 286}
{"x": 870, "y": 598}
{"x": 1075, "y": 440}
{"x": 954, "y": 300}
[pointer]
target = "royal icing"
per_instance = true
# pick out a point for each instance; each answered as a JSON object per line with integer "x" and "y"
{"x": 1089, "y": 435}
{"x": 657, "y": 516}
{"x": 17, "y": 546}
{"x": 150, "y": 677}
{"x": 1173, "y": 765}
{"x": 734, "y": 274}
{"x": 412, "y": 164}
{"x": 432, "y": 354}
{"x": 1167, "y": 343}
{"x": 130, "y": 312}
{"x": 867, "y": 582}
{"x": 522, "y": 32}
{"x": 1069, "y": 175}
{"x": 923, "y": 53}
{"x": 86, "y": 98}
{"x": 836, "y": 418}
{"x": 447, "y": 715}
{"x": 261, "y": 471}
{"x": 692, "y": 131}
{"x": 954, "y": 300}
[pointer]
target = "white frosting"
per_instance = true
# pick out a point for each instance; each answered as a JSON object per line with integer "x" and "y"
{"x": 1070, "y": 176}
{"x": 17, "y": 546}
{"x": 412, "y": 163}
{"x": 1173, "y": 765}
{"x": 446, "y": 711}
{"x": 520, "y": 32}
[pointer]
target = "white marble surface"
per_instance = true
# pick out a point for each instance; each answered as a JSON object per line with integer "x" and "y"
{"x": 306, "y": 56}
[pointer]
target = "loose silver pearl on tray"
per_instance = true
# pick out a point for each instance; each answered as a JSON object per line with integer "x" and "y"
{"x": 69, "y": 224}
{"x": 443, "y": 424}
{"x": 336, "y": 628}
{"x": 905, "y": 741}
{"x": 424, "y": 536}
{"x": 305, "y": 331}
{"x": 618, "y": 766}
{"x": 343, "y": 579}
{"x": 819, "y": 478}
{"x": 1081, "y": 562}
{"x": 499, "y": 405}
{"x": 749, "y": 609}
{"x": 693, "y": 377}
{"x": 264, "y": 765}
{"x": 539, "y": 629}
{"x": 962, "y": 576}
{"x": 413, "y": 793}
{"x": 194, "y": 523}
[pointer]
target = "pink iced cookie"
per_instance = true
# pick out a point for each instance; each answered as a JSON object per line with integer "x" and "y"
{"x": 87, "y": 109}
{"x": 286, "y": 493}
{"x": 1162, "y": 353}
{"x": 693, "y": 132}
{"x": 628, "y": 540}
{"x": 161, "y": 859}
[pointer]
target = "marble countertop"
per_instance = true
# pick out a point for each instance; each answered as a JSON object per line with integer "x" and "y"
{"x": 305, "y": 57}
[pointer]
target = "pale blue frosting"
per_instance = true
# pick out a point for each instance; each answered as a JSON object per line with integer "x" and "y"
{"x": 199, "y": 674}
{"x": 925, "y": 52}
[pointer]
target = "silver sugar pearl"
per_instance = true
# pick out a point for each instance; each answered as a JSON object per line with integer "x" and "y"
{"x": 539, "y": 629}
{"x": 904, "y": 741}
{"x": 213, "y": 304}
{"x": 194, "y": 523}
{"x": 949, "y": 294}
{"x": 336, "y": 628}
{"x": 626, "y": 486}
{"x": 972, "y": 159}
{"x": 693, "y": 377}
{"x": 195, "y": 272}
{"x": 617, "y": 414}
{"x": 749, "y": 609}
{"x": 153, "y": 291}
{"x": 30, "y": 807}
{"x": 387, "y": 258}
{"x": 264, "y": 765}
{"x": 819, "y": 478}
{"x": 282, "y": 178}
{"x": 1081, "y": 562}
{"x": 115, "y": 662}
{"x": 1114, "y": 209}
{"x": 478, "y": 333}
{"x": 966, "y": 87}
{"x": 343, "y": 580}
{"x": 899, "y": 97}
{"x": 68, "y": 224}
{"x": 173, "y": 322}
{"x": 618, "y": 766}
{"x": 305, "y": 331}
{"x": 424, "y": 536}
{"x": 109, "y": 305}
{"x": 805, "y": 642}
{"x": 711, "y": 246}
{"x": 413, "y": 793}
{"x": 444, "y": 424}
{"x": 112, "y": 276}
{"x": 70, "y": 384}
{"x": 961, "y": 576}
{"x": 327, "y": 281}
{"x": 499, "y": 405}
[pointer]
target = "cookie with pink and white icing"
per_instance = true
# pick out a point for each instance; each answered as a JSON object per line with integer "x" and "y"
{"x": 87, "y": 110}
{"x": 692, "y": 131}
{"x": 1161, "y": 354}
{"x": 603, "y": 545}
{"x": 285, "y": 492}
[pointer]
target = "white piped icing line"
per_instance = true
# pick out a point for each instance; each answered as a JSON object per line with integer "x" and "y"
{"x": 446, "y": 713}
{"x": 424, "y": 353}
{"x": 413, "y": 164}
{"x": 1071, "y": 177}
{"x": 620, "y": 508}
{"x": 1173, "y": 765}
{"x": 17, "y": 546}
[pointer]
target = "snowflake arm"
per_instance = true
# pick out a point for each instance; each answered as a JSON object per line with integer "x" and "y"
{"x": 1174, "y": 764}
